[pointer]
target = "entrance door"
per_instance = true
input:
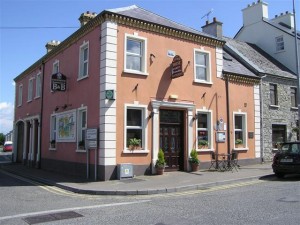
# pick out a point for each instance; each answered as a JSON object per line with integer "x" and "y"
{"x": 171, "y": 138}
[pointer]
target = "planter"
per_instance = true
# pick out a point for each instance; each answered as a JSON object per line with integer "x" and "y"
{"x": 202, "y": 147}
{"x": 195, "y": 167}
{"x": 160, "y": 170}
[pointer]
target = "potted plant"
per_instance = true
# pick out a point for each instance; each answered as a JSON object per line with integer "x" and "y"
{"x": 52, "y": 143}
{"x": 134, "y": 143}
{"x": 195, "y": 162}
{"x": 81, "y": 144}
{"x": 202, "y": 144}
{"x": 160, "y": 162}
{"x": 238, "y": 143}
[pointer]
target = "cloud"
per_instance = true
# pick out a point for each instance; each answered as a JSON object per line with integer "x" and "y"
{"x": 6, "y": 117}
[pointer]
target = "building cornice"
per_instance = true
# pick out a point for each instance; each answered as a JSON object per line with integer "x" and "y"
{"x": 240, "y": 78}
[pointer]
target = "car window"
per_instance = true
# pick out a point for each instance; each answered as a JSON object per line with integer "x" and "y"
{"x": 294, "y": 148}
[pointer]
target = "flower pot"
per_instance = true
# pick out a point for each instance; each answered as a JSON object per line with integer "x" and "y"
{"x": 195, "y": 167}
{"x": 160, "y": 170}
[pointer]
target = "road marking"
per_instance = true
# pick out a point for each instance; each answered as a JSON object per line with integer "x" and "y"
{"x": 71, "y": 209}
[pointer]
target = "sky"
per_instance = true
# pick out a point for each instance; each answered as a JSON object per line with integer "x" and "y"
{"x": 27, "y": 25}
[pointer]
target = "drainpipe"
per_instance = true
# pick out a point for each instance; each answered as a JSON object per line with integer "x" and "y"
{"x": 41, "y": 112}
{"x": 228, "y": 114}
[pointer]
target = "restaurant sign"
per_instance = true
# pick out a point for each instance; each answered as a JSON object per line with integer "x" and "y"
{"x": 58, "y": 82}
{"x": 176, "y": 67}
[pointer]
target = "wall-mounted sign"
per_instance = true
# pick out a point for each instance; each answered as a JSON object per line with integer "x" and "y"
{"x": 171, "y": 53}
{"x": 110, "y": 94}
{"x": 220, "y": 136}
{"x": 176, "y": 67}
{"x": 58, "y": 82}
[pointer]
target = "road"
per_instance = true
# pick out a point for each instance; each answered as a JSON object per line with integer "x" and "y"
{"x": 264, "y": 201}
{"x": 5, "y": 157}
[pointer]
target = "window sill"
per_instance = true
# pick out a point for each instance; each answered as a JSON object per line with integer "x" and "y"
{"x": 203, "y": 82}
{"x": 127, "y": 151}
{"x": 37, "y": 97}
{"x": 80, "y": 150}
{"x": 82, "y": 78}
{"x": 240, "y": 149}
{"x": 205, "y": 150}
{"x": 274, "y": 106}
{"x": 294, "y": 108}
{"x": 52, "y": 149}
{"x": 29, "y": 101}
{"x": 136, "y": 72}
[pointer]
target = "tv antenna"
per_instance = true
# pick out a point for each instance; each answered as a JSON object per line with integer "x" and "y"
{"x": 207, "y": 15}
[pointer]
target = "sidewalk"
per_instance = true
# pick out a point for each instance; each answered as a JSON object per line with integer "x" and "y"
{"x": 144, "y": 185}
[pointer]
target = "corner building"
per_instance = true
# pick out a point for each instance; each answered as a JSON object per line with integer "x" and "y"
{"x": 134, "y": 77}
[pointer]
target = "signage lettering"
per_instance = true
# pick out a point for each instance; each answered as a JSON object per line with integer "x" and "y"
{"x": 176, "y": 67}
{"x": 58, "y": 82}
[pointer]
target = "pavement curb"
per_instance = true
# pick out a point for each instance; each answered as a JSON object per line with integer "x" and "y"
{"x": 204, "y": 186}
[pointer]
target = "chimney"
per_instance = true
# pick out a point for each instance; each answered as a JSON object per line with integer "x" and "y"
{"x": 86, "y": 17}
{"x": 255, "y": 12}
{"x": 286, "y": 18}
{"x": 214, "y": 28}
{"x": 51, "y": 45}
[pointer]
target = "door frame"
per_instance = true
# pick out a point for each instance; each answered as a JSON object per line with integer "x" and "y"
{"x": 188, "y": 128}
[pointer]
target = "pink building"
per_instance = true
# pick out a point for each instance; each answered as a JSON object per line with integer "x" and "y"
{"x": 126, "y": 84}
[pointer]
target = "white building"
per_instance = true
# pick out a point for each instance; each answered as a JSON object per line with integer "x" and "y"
{"x": 275, "y": 36}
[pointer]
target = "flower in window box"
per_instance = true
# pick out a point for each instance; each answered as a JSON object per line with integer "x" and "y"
{"x": 134, "y": 143}
{"x": 202, "y": 144}
{"x": 239, "y": 143}
{"x": 81, "y": 144}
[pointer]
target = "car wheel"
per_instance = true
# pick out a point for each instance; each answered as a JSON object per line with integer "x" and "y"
{"x": 279, "y": 175}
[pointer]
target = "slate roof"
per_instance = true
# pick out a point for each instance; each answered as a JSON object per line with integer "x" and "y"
{"x": 258, "y": 59}
{"x": 232, "y": 66}
{"x": 145, "y": 15}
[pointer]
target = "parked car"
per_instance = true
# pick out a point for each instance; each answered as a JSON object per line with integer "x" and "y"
{"x": 7, "y": 147}
{"x": 287, "y": 159}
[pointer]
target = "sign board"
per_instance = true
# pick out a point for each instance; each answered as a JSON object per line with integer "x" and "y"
{"x": 176, "y": 67}
{"x": 220, "y": 136}
{"x": 91, "y": 144}
{"x": 91, "y": 134}
{"x": 110, "y": 94}
{"x": 58, "y": 82}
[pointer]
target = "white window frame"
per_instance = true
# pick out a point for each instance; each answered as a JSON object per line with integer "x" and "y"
{"x": 244, "y": 130}
{"x": 20, "y": 95}
{"x": 279, "y": 41}
{"x": 295, "y": 102}
{"x": 30, "y": 90}
{"x": 207, "y": 66}
{"x": 55, "y": 67}
{"x": 209, "y": 128}
{"x": 53, "y": 130}
{"x": 143, "y": 127}
{"x": 143, "y": 56}
{"x": 83, "y": 61}
{"x": 38, "y": 85}
{"x": 81, "y": 128}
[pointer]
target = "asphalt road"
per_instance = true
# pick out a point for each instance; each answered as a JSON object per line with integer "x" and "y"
{"x": 5, "y": 157}
{"x": 265, "y": 201}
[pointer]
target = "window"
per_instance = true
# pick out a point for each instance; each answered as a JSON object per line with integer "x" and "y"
{"x": 55, "y": 67}
{"x": 135, "y": 126}
{"x": 278, "y": 135}
{"x": 204, "y": 129}
{"x": 294, "y": 97}
{"x": 273, "y": 94}
{"x": 30, "y": 90}
{"x": 202, "y": 66}
{"x": 83, "y": 60}
{"x": 53, "y": 132}
{"x": 240, "y": 130}
{"x": 279, "y": 43}
{"x": 38, "y": 86}
{"x": 82, "y": 126}
{"x": 135, "y": 54}
{"x": 20, "y": 95}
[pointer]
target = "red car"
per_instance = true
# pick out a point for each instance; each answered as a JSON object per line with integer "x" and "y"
{"x": 7, "y": 146}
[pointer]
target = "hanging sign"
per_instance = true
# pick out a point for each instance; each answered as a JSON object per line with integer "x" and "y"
{"x": 176, "y": 67}
{"x": 58, "y": 82}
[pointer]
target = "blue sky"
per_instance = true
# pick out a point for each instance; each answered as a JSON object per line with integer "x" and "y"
{"x": 24, "y": 29}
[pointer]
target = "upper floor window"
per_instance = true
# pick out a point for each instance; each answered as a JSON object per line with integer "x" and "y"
{"x": 202, "y": 72}
{"x": 240, "y": 130}
{"x": 135, "y": 127}
{"x": 279, "y": 43}
{"x": 294, "y": 97}
{"x": 84, "y": 60}
{"x": 204, "y": 129}
{"x": 38, "y": 86}
{"x": 20, "y": 95}
{"x": 273, "y": 94}
{"x": 82, "y": 126}
{"x": 55, "y": 68}
{"x": 135, "y": 54}
{"x": 30, "y": 90}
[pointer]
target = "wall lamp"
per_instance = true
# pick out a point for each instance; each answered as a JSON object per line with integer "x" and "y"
{"x": 152, "y": 55}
